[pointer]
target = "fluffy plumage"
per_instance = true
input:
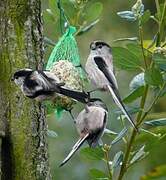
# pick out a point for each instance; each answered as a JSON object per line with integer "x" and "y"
{"x": 90, "y": 125}
{"x": 43, "y": 85}
{"x": 99, "y": 67}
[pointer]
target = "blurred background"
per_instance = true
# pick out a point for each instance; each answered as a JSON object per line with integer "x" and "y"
{"x": 109, "y": 28}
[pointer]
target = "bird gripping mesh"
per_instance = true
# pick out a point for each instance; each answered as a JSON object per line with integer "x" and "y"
{"x": 65, "y": 49}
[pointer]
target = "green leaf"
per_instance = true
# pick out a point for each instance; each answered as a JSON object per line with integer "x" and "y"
{"x": 87, "y": 28}
{"x": 48, "y": 41}
{"x": 140, "y": 154}
{"x": 134, "y": 95}
{"x": 136, "y": 50}
{"x": 153, "y": 77}
{"x": 97, "y": 174}
{"x": 69, "y": 9}
{"x": 156, "y": 122}
{"x": 163, "y": 92}
{"x": 126, "y": 39}
{"x": 93, "y": 11}
{"x": 51, "y": 133}
{"x": 125, "y": 59}
{"x": 130, "y": 110}
{"x": 137, "y": 86}
{"x": 149, "y": 132}
{"x": 92, "y": 153}
{"x": 160, "y": 60}
{"x": 118, "y": 158}
{"x": 145, "y": 17}
{"x": 138, "y": 8}
{"x": 159, "y": 173}
{"x": 128, "y": 15}
{"x": 137, "y": 81}
{"x": 108, "y": 131}
{"x": 119, "y": 136}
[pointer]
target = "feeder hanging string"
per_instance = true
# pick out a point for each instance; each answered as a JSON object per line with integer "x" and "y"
{"x": 62, "y": 15}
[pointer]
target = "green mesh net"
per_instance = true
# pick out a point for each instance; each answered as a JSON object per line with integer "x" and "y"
{"x": 65, "y": 49}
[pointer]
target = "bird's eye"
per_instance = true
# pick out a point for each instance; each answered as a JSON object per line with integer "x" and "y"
{"x": 100, "y": 46}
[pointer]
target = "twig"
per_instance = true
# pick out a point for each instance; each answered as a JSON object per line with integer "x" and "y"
{"x": 151, "y": 106}
{"x": 142, "y": 45}
{"x": 62, "y": 14}
{"x": 106, "y": 154}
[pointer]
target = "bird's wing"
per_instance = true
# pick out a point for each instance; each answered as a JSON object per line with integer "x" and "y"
{"x": 101, "y": 64}
{"x": 92, "y": 121}
{"x": 96, "y": 117}
{"x": 94, "y": 138}
{"x": 45, "y": 81}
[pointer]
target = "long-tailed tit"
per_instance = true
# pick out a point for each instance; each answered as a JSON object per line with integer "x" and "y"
{"x": 99, "y": 67}
{"x": 43, "y": 85}
{"x": 90, "y": 125}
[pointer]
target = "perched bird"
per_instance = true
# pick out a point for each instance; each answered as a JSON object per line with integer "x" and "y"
{"x": 43, "y": 85}
{"x": 90, "y": 125}
{"x": 99, "y": 67}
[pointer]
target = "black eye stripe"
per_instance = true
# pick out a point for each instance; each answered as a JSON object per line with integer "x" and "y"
{"x": 22, "y": 73}
{"x": 98, "y": 44}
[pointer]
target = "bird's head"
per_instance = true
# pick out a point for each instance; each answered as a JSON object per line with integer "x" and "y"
{"x": 97, "y": 102}
{"x": 99, "y": 46}
{"x": 19, "y": 76}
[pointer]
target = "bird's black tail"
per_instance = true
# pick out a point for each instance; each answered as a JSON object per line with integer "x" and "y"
{"x": 79, "y": 96}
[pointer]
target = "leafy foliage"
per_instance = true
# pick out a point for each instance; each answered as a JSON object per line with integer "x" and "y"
{"x": 134, "y": 95}
{"x": 52, "y": 134}
{"x": 81, "y": 14}
{"x": 160, "y": 60}
{"x": 145, "y": 57}
{"x": 92, "y": 154}
{"x": 137, "y": 81}
{"x": 153, "y": 77}
{"x": 97, "y": 174}
{"x": 118, "y": 158}
{"x": 140, "y": 154}
{"x": 128, "y": 15}
{"x": 125, "y": 59}
{"x": 157, "y": 122}
{"x": 119, "y": 136}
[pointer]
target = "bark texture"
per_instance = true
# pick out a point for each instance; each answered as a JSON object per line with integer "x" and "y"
{"x": 22, "y": 121}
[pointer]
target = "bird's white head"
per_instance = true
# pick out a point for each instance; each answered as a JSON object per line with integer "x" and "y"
{"x": 99, "y": 47}
{"x": 19, "y": 76}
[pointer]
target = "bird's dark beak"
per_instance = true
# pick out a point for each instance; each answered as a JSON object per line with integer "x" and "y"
{"x": 93, "y": 46}
{"x": 12, "y": 78}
